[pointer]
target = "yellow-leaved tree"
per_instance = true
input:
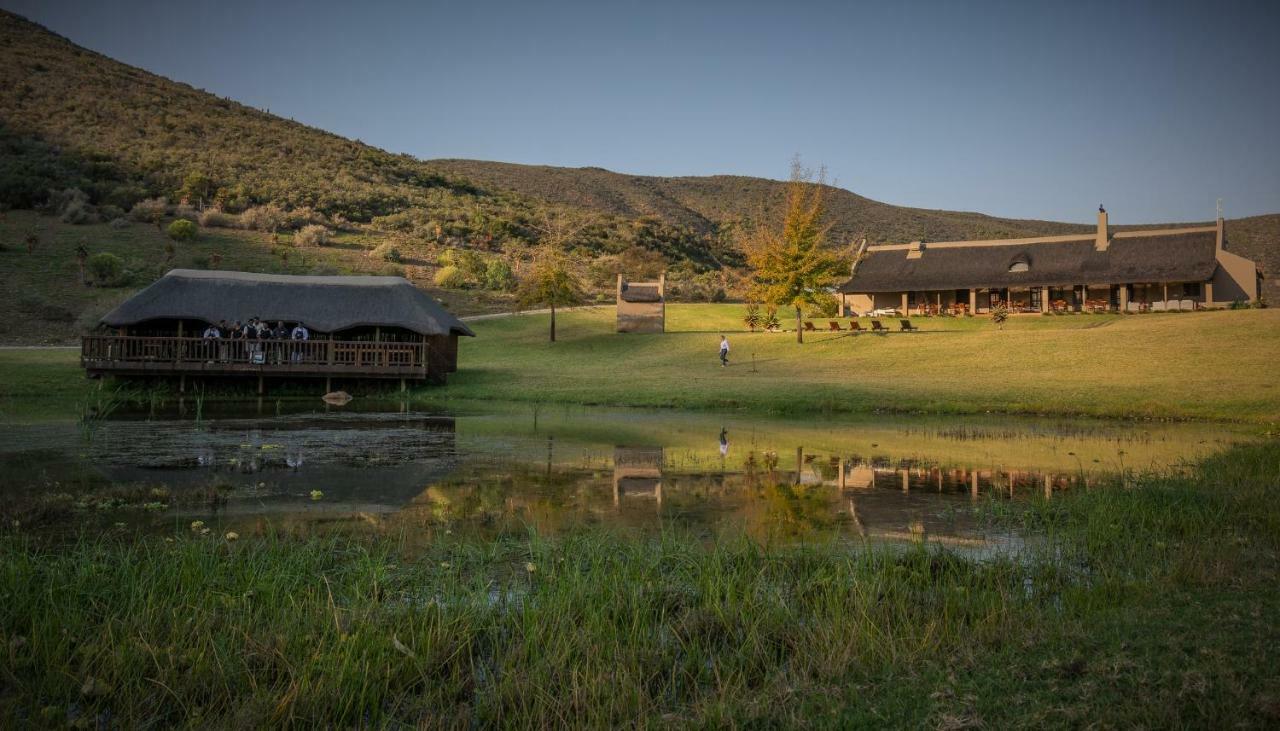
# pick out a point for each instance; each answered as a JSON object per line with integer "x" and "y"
{"x": 791, "y": 264}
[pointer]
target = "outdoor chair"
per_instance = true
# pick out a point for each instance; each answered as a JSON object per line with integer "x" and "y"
{"x": 854, "y": 327}
{"x": 907, "y": 327}
{"x": 876, "y": 327}
{"x": 809, "y": 328}
{"x": 835, "y": 326}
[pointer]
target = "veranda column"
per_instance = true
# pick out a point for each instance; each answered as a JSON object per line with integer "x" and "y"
{"x": 905, "y": 311}
{"x": 973, "y": 301}
{"x": 1044, "y": 299}
{"x": 1124, "y": 298}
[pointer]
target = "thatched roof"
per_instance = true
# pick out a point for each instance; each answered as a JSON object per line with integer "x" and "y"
{"x": 324, "y": 304}
{"x": 1165, "y": 257}
{"x": 641, "y": 293}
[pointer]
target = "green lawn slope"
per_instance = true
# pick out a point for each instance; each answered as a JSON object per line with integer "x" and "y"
{"x": 1206, "y": 365}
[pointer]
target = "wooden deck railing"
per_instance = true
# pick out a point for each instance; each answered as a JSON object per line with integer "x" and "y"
{"x": 185, "y": 355}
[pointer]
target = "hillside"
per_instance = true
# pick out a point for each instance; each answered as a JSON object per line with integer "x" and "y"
{"x": 86, "y": 139}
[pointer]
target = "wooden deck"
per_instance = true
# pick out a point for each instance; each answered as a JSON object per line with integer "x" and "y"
{"x": 159, "y": 356}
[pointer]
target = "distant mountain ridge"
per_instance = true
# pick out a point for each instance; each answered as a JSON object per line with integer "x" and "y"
{"x": 73, "y": 118}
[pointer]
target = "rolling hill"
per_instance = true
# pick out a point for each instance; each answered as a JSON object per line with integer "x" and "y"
{"x": 77, "y": 125}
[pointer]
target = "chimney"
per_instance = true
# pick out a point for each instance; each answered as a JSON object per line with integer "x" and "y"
{"x": 1103, "y": 239}
{"x": 1222, "y": 233}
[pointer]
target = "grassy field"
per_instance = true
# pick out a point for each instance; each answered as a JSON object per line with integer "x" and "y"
{"x": 1152, "y": 606}
{"x": 1207, "y": 365}
{"x": 1210, "y": 365}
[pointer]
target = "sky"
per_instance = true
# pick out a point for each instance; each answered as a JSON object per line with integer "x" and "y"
{"x": 1020, "y": 109}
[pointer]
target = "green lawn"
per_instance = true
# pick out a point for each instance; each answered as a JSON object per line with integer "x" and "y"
{"x": 1209, "y": 365}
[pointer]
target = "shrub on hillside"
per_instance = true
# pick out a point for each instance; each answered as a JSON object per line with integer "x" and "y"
{"x": 71, "y": 205}
{"x": 268, "y": 218}
{"x": 182, "y": 230}
{"x": 107, "y": 269}
{"x": 301, "y": 217}
{"x": 313, "y": 235}
{"x": 499, "y": 277}
{"x": 472, "y": 264}
{"x": 387, "y": 252}
{"x": 218, "y": 218}
{"x": 120, "y": 223}
{"x": 182, "y": 210}
{"x": 149, "y": 210}
{"x": 450, "y": 277}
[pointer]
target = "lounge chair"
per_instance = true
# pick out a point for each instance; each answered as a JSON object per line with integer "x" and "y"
{"x": 854, "y": 327}
{"x": 876, "y": 327}
{"x": 907, "y": 327}
{"x": 809, "y": 328}
{"x": 835, "y": 326}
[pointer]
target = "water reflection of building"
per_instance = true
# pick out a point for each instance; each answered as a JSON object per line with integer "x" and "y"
{"x": 637, "y": 472}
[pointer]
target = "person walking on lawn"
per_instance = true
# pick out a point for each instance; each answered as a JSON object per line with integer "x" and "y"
{"x": 724, "y": 351}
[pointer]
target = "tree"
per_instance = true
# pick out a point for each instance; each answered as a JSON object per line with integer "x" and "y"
{"x": 182, "y": 230}
{"x": 999, "y": 314}
{"x": 82, "y": 255}
{"x": 197, "y": 187}
{"x": 551, "y": 282}
{"x": 791, "y": 264}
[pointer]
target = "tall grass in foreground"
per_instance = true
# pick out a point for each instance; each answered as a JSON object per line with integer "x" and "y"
{"x": 600, "y": 629}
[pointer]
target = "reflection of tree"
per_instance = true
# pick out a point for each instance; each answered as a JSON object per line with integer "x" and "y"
{"x": 776, "y": 508}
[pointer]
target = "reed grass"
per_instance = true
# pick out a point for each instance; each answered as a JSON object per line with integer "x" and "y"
{"x": 1151, "y": 604}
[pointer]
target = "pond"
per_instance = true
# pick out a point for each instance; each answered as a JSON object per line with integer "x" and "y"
{"x": 491, "y": 469}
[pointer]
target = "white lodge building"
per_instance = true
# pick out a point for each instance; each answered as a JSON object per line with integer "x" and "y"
{"x": 1125, "y": 271}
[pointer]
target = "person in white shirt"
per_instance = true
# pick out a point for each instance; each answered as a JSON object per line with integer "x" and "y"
{"x": 724, "y": 351}
{"x": 299, "y": 333}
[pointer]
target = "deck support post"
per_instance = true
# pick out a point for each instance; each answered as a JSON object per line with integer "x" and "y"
{"x": 328, "y": 384}
{"x": 840, "y": 481}
{"x": 261, "y": 384}
{"x": 402, "y": 389}
{"x": 906, "y": 481}
{"x": 182, "y": 383}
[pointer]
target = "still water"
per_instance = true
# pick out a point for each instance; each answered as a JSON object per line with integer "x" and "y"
{"x": 490, "y": 469}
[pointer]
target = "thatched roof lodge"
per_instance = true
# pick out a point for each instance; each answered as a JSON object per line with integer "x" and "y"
{"x": 1126, "y": 271}
{"x": 358, "y": 327}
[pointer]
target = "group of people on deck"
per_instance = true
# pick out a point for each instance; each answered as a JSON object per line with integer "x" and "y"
{"x": 253, "y": 331}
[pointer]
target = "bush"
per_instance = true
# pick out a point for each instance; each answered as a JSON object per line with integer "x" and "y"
{"x": 387, "y": 252}
{"x": 450, "y": 277}
{"x": 107, "y": 269}
{"x": 217, "y": 218}
{"x": 182, "y": 230}
{"x": 472, "y": 265}
{"x": 314, "y": 235}
{"x": 267, "y": 218}
{"x": 149, "y": 210}
{"x": 183, "y": 210}
{"x": 71, "y": 205}
{"x": 499, "y": 277}
{"x": 120, "y": 223}
{"x": 752, "y": 319}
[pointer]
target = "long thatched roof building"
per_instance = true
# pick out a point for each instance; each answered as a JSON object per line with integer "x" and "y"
{"x": 1159, "y": 269}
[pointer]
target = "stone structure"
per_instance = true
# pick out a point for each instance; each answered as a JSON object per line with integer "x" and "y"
{"x": 642, "y": 306}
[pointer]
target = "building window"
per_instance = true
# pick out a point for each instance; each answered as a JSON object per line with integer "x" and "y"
{"x": 1191, "y": 289}
{"x": 911, "y": 299}
{"x": 1037, "y": 293}
{"x": 1019, "y": 266}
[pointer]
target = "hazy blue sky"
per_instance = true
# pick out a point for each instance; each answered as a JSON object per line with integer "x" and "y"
{"x": 1019, "y": 109}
